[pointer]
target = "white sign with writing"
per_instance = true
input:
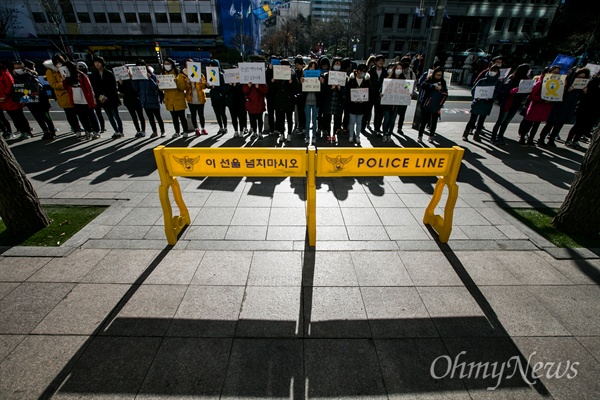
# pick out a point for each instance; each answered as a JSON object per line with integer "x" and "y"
{"x": 212, "y": 76}
{"x": 448, "y": 78}
{"x": 282, "y": 72}
{"x": 311, "y": 85}
{"x": 526, "y": 85}
{"x": 121, "y": 73}
{"x": 231, "y": 75}
{"x": 166, "y": 81}
{"x": 397, "y": 92}
{"x": 337, "y": 78}
{"x": 484, "y": 92}
{"x": 504, "y": 73}
{"x": 553, "y": 87}
{"x": 359, "y": 95}
{"x": 580, "y": 83}
{"x": 252, "y": 72}
{"x": 594, "y": 69}
{"x": 138, "y": 73}
{"x": 194, "y": 70}
{"x": 64, "y": 71}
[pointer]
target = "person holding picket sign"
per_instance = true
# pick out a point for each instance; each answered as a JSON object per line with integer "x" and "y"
{"x": 434, "y": 92}
{"x": 359, "y": 79}
{"x": 390, "y": 111}
{"x": 195, "y": 97}
{"x": 175, "y": 98}
{"x": 484, "y": 93}
{"x": 13, "y": 109}
{"x": 255, "y": 105}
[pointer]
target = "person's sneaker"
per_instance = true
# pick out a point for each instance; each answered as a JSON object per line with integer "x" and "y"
{"x": 420, "y": 139}
{"x": 116, "y": 135}
{"x": 88, "y": 135}
{"x": 385, "y": 139}
{"x": 176, "y": 135}
{"x": 245, "y": 132}
{"x": 102, "y": 130}
{"x": 430, "y": 140}
{"x": 400, "y": 132}
{"x": 306, "y": 140}
{"x": 220, "y": 131}
{"x": 568, "y": 143}
{"x": 289, "y": 138}
{"x": 225, "y": 130}
{"x": 197, "y": 132}
{"x": 142, "y": 134}
{"x": 138, "y": 135}
{"x": 551, "y": 144}
{"x": 204, "y": 131}
{"x": 254, "y": 135}
{"x": 575, "y": 145}
{"x": 351, "y": 140}
{"x": 236, "y": 134}
{"x": 96, "y": 135}
{"x": 541, "y": 143}
{"x": 501, "y": 142}
{"x": 522, "y": 141}
{"x": 154, "y": 135}
{"x": 8, "y": 135}
{"x": 358, "y": 141}
{"x": 530, "y": 143}
{"x": 162, "y": 134}
{"x": 185, "y": 135}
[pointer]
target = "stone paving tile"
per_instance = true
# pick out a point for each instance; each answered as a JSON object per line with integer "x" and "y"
{"x": 177, "y": 268}
{"x": 241, "y": 232}
{"x": 512, "y": 232}
{"x": 289, "y": 200}
{"x": 396, "y": 216}
{"x": 34, "y": 363}
{"x": 18, "y": 269}
{"x": 275, "y": 269}
{"x": 386, "y": 200}
{"x": 82, "y": 310}
{"x": 485, "y": 232}
{"x": 335, "y": 312}
{"x": 6, "y": 288}
{"x": 531, "y": 269}
{"x": 270, "y": 312}
{"x": 360, "y": 216}
{"x": 578, "y": 271}
{"x": 209, "y": 232}
{"x": 249, "y": 200}
{"x": 223, "y": 199}
{"x": 468, "y": 217}
{"x": 360, "y": 233}
{"x": 326, "y": 199}
{"x": 287, "y": 216}
{"x": 330, "y": 269}
{"x": 251, "y": 216}
{"x": 127, "y": 232}
{"x": 23, "y": 308}
{"x": 223, "y": 268}
{"x": 360, "y": 200}
{"x": 213, "y": 216}
{"x": 329, "y": 233}
{"x": 329, "y": 217}
{"x": 286, "y": 233}
{"x": 120, "y": 266}
{"x": 208, "y": 311}
{"x": 591, "y": 343}
{"x": 8, "y": 343}
{"x": 486, "y": 269}
{"x": 380, "y": 269}
{"x": 185, "y": 367}
{"x": 429, "y": 269}
{"x": 412, "y": 200}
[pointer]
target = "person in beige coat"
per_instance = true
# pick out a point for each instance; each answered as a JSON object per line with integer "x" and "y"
{"x": 175, "y": 98}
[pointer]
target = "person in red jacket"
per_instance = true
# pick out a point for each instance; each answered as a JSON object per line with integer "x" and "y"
{"x": 12, "y": 108}
{"x": 82, "y": 98}
{"x": 255, "y": 105}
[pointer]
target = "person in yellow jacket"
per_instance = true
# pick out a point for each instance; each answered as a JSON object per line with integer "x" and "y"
{"x": 195, "y": 97}
{"x": 55, "y": 79}
{"x": 175, "y": 98}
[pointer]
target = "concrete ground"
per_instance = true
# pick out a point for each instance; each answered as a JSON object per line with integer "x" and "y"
{"x": 240, "y": 307}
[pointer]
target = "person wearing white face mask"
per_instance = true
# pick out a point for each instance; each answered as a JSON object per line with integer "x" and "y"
{"x": 55, "y": 80}
{"x": 13, "y": 108}
{"x": 482, "y": 103}
{"x": 359, "y": 79}
{"x": 175, "y": 98}
{"x": 390, "y": 111}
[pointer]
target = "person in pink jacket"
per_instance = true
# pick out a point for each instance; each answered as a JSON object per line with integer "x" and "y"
{"x": 537, "y": 112}
{"x": 12, "y": 108}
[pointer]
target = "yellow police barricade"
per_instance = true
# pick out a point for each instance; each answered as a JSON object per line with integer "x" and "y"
{"x": 239, "y": 162}
{"x": 341, "y": 162}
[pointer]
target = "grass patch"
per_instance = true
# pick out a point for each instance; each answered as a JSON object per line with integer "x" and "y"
{"x": 65, "y": 222}
{"x": 540, "y": 220}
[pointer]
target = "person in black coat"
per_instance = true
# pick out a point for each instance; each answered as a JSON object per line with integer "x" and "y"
{"x": 377, "y": 74}
{"x": 105, "y": 89}
{"x": 433, "y": 93}
{"x": 587, "y": 113}
{"x": 131, "y": 100}
{"x": 359, "y": 79}
{"x": 283, "y": 96}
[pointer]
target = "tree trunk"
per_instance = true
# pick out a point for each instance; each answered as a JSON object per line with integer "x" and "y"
{"x": 20, "y": 207}
{"x": 580, "y": 212}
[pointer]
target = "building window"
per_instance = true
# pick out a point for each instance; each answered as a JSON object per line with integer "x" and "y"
{"x": 145, "y": 18}
{"x": 175, "y": 18}
{"x": 398, "y": 47}
{"x": 417, "y": 23}
{"x": 527, "y": 25}
{"x": 206, "y": 18}
{"x": 385, "y": 45}
{"x": 500, "y": 24}
{"x": 70, "y": 17}
{"x": 540, "y": 26}
{"x": 388, "y": 20}
{"x": 161, "y": 18}
{"x": 39, "y": 17}
{"x": 100, "y": 18}
{"x": 130, "y": 17}
{"x": 402, "y": 21}
{"x": 114, "y": 18}
{"x": 191, "y": 18}
{"x": 84, "y": 17}
{"x": 513, "y": 25}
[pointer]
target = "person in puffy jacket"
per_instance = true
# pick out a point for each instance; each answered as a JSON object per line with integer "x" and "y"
{"x": 284, "y": 94}
{"x": 150, "y": 98}
{"x": 481, "y": 108}
{"x": 511, "y": 102}
{"x": 83, "y": 99}
{"x": 537, "y": 112}
{"x": 107, "y": 97}
{"x": 255, "y": 105}
{"x": 218, "y": 99}
{"x": 12, "y": 108}
{"x": 435, "y": 82}
{"x": 358, "y": 79}
{"x": 55, "y": 80}
{"x": 39, "y": 106}
{"x": 175, "y": 98}
{"x": 131, "y": 100}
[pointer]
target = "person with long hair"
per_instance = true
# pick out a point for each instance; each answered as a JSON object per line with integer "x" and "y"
{"x": 390, "y": 111}
{"x": 587, "y": 113}
{"x": 481, "y": 108}
{"x": 55, "y": 80}
{"x": 12, "y": 108}
{"x": 434, "y": 91}
{"x": 82, "y": 99}
{"x": 175, "y": 98}
{"x": 312, "y": 102}
{"x": 150, "y": 98}
{"x": 358, "y": 79}
{"x": 131, "y": 100}
{"x": 196, "y": 99}
{"x": 107, "y": 97}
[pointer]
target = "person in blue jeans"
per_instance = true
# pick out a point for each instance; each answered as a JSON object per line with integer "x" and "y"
{"x": 359, "y": 79}
{"x": 107, "y": 97}
{"x": 311, "y": 102}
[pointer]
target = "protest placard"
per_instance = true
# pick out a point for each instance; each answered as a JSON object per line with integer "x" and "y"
{"x": 397, "y": 92}
{"x": 503, "y": 74}
{"x": 166, "y": 81}
{"x": 138, "y": 73}
{"x": 312, "y": 73}
{"x": 252, "y": 72}
{"x": 212, "y": 76}
{"x": 526, "y": 85}
{"x": 282, "y": 72}
{"x": 311, "y": 85}
{"x": 594, "y": 69}
{"x": 64, "y": 71}
{"x": 231, "y": 75}
{"x": 484, "y": 92}
{"x": 580, "y": 83}
{"x": 448, "y": 78}
{"x": 121, "y": 73}
{"x": 359, "y": 95}
{"x": 553, "y": 87}
{"x": 337, "y": 78}
{"x": 194, "y": 70}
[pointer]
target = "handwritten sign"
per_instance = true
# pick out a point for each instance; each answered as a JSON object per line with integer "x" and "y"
{"x": 580, "y": 83}
{"x": 553, "y": 87}
{"x": 448, "y": 78}
{"x": 64, "y": 71}
{"x": 397, "y": 92}
{"x": 504, "y": 73}
{"x": 166, "y": 81}
{"x": 121, "y": 73}
{"x": 484, "y": 92}
{"x": 359, "y": 95}
{"x": 231, "y": 75}
{"x": 594, "y": 69}
{"x": 212, "y": 76}
{"x": 282, "y": 72}
{"x": 311, "y": 85}
{"x": 26, "y": 93}
{"x": 194, "y": 71}
{"x": 526, "y": 85}
{"x": 311, "y": 73}
{"x": 337, "y": 78}
{"x": 139, "y": 73}
{"x": 252, "y": 72}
